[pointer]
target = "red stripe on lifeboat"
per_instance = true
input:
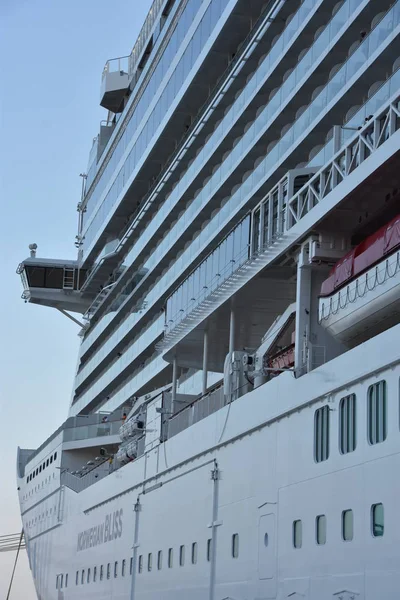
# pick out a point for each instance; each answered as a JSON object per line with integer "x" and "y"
{"x": 369, "y": 252}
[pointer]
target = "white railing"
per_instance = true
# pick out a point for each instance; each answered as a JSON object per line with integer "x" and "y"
{"x": 361, "y": 146}
{"x": 115, "y": 65}
{"x": 278, "y": 213}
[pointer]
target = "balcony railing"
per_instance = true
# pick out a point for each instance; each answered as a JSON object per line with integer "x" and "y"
{"x": 195, "y": 412}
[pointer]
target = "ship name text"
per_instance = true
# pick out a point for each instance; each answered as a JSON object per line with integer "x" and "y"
{"x": 109, "y": 530}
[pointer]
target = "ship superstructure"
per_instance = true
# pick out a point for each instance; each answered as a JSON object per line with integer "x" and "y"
{"x": 233, "y": 428}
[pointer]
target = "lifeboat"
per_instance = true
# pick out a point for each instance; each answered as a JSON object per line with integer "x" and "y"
{"x": 361, "y": 296}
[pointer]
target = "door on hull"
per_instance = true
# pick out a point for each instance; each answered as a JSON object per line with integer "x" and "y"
{"x": 266, "y": 547}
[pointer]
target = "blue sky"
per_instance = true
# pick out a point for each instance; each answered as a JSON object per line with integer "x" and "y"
{"x": 52, "y": 54}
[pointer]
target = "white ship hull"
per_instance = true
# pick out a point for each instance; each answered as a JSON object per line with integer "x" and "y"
{"x": 267, "y": 479}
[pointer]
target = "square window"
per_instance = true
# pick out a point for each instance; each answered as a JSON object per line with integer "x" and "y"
{"x": 320, "y": 529}
{"x": 347, "y": 525}
{"x": 297, "y": 534}
{"x": 377, "y": 517}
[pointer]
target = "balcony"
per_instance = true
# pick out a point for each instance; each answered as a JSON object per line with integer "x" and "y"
{"x": 114, "y": 84}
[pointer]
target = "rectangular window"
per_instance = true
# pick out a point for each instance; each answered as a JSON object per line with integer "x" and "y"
{"x": 297, "y": 534}
{"x": 83, "y": 576}
{"x": 108, "y": 570}
{"x": 123, "y": 568}
{"x": 170, "y": 558}
{"x": 149, "y": 561}
{"x": 321, "y": 434}
{"x": 320, "y": 529}
{"x": 116, "y": 569}
{"x": 347, "y": 525}
{"x": 140, "y": 564}
{"x": 181, "y": 556}
{"x": 377, "y": 518}
{"x": 347, "y": 424}
{"x": 101, "y": 573}
{"x": 61, "y": 580}
{"x": 77, "y": 578}
{"x": 66, "y": 580}
{"x": 235, "y": 545}
{"x": 57, "y": 582}
{"x": 377, "y": 413}
{"x": 94, "y": 574}
{"x": 194, "y": 553}
{"x": 159, "y": 560}
{"x": 209, "y": 550}
{"x": 88, "y": 576}
{"x": 131, "y": 566}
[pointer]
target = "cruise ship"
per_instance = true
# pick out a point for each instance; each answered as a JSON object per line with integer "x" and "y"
{"x": 233, "y": 431}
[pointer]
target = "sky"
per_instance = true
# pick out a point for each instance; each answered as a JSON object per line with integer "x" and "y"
{"x": 52, "y": 56}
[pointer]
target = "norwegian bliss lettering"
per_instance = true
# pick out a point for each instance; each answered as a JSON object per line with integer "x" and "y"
{"x": 108, "y": 531}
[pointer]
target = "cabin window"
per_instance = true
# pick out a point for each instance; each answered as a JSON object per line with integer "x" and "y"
{"x": 377, "y": 413}
{"x": 159, "y": 560}
{"x": 88, "y": 575}
{"x": 209, "y": 549}
{"x": 131, "y": 566}
{"x": 77, "y": 578}
{"x": 55, "y": 455}
{"x": 101, "y": 572}
{"x": 321, "y": 434}
{"x": 51, "y": 459}
{"x": 170, "y": 558}
{"x": 297, "y": 534}
{"x": 108, "y": 570}
{"x": 347, "y": 525}
{"x": 235, "y": 545}
{"x": 94, "y": 574}
{"x": 140, "y": 564}
{"x": 347, "y": 424}
{"x": 66, "y": 580}
{"x": 123, "y": 568}
{"x": 181, "y": 556}
{"x": 320, "y": 529}
{"x": 83, "y": 576}
{"x": 194, "y": 553}
{"x": 47, "y": 462}
{"x": 377, "y": 518}
{"x": 116, "y": 569}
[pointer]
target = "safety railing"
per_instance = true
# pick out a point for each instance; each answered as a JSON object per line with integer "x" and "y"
{"x": 196, "y": 411}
